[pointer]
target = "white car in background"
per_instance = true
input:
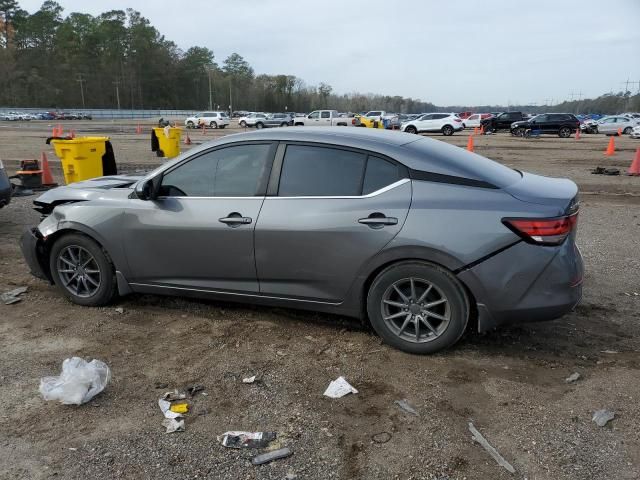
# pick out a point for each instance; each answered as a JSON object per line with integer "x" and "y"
{"x": 251, "y": 119}
{"x": 474, "y": 120}
{"x": 209, "y": 119}
{"x": 445, "y": 123}
{"x": 615, "y": 123}
{"x": 635, "y": 133}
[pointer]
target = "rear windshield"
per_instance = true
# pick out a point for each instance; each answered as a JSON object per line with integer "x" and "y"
{"x": 439, "y": 157}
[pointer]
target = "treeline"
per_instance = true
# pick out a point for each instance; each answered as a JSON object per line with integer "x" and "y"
{"x": 118, "y": 59}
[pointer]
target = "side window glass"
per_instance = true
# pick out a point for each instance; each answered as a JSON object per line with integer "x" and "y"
{"x": 325, "y": 115}
{"x": 227, "y": 172}
{"x": 319, "y": 171}
{"x": 314, "y": 114}
{"x": 378, "y": 174}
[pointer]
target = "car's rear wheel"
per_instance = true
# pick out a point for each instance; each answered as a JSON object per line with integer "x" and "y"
{"x": 82, "y": 271}
{"x": 447, "y": 130}
{"x": 519, "y": 132}
{"x": 190, "y": 124}
{"x": 243, "y": 124}
{"x": 564, "y": 132}
{"x": 627, "y": 130}
{"x": 284, "y": 124}
{"x": 411, "y": 129}
{"x": 259, "y": 125}
{"x": 213, "y": 125}
{"x": 418, "y": 307}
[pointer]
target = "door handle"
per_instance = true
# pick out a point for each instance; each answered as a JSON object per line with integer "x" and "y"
{"x": 234, "y": 219}
{"x": 378, "y": 220}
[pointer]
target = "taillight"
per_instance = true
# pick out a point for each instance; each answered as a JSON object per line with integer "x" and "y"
{"x": 543, "y": 231}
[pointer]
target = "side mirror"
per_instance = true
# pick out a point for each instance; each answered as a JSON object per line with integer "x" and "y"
{"x": 146, "y": 189}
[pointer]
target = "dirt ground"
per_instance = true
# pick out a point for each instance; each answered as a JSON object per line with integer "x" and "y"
{"x": 510, "y": 383}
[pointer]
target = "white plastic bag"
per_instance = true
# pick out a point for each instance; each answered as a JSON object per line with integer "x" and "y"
{"x": 78, "y": 383}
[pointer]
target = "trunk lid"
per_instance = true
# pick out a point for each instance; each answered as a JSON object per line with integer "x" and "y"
{"x": 559, "y": 192}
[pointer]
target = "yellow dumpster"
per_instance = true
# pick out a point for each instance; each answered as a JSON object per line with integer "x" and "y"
{"x": 165, "y": 141}
{"x": 85, "y": 157}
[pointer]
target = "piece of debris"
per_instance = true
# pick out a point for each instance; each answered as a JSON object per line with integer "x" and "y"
{"x": 632, "y": 294}
{"x": 339, "y": 388}
{"x": 291, "y": 476}
{"x": 574, "y": 377}
{"x": 246, "y": 439}
{"x": 382, "y": 437}
{"x": 610, "y": 352}
{"x": 173, "y": 425}
{"x": 161, "y": 385}
{"x": 179, "y": 407}
{"x": 78, "y": 382}
{"x": 193, "y": 389}
{"x": 477, "y": 436}
{"x": 404, "y": 405}
{"x": 271, "y": 456}
{"x": 119, "y": 310}
{"x": 165, "y": 407}
{"x": 175, "y": 395}
{"x": 249, "y": 379}
{"x": 13, "y": 296}
{"x": 602, "y": 417}
{"x": 605, "y": 171}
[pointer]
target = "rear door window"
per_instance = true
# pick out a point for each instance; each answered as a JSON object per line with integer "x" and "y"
{"x": 325, "y": 115}
{"x": 321, "y": 171}
{"x": 378, "y": 174}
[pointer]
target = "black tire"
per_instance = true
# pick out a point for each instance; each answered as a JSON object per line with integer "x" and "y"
{"x": 284, "y": 124}
{"x": 564, "y": 132}
{"x": 447, "y": 130}
{"x": 107, "y": 288}
{"x": 222, "y": 126}
{"x": 159, "y": 153}
{"x": 190, "y": 124}
{"x": 627, "y": 131}
{"x": 518, "y": 132}
{"x": 411, "y": 129}
{"x": 444, "y": 281}
{"x": 259, "y": 125}
{"x": 213, "y": 125}
{"x": 243, "y": 124}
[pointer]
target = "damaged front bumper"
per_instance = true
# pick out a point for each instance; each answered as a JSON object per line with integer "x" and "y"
{"x": 32, "y": 246}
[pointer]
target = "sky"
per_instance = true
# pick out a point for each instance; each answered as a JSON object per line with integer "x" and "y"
{"x": 490, "y": 52}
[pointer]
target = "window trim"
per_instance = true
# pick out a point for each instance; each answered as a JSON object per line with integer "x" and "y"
{"x": 276, "y": 170}
{"x": 262, "y": 184}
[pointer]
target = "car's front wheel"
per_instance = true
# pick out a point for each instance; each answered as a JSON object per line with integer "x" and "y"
{"x": 627, "y": 130}
{"x": 411, "y": 129}
{"x": 213, "y": 125}
{"x": 447, "y": 130}
{"x": 564, "y": 132}
{"x": 259, "y": 125}
{"x": 82, "y": 271}
{"x": 418, "y": 307}
{"x": 243, "y": 124}
{"x": 190, "y": 124}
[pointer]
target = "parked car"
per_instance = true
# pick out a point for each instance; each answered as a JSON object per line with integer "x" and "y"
{"x": 251, "y": 119}
{"x": 5, "y": 187}
{"x": 325, "y": 118}
{"x": 589, "y": 126}
{"x": 561, "y": 124}
{"x": 614, "y": 123}
{"x": 275, "y": 120}
{"x": 474, "y": 120}
{"x": 209, "y": 119}
{"x": 446, "y": 123}
{"x": 501, "y": 121}
{"x": 420, "y": 237}
{"x": 635, "y": 133}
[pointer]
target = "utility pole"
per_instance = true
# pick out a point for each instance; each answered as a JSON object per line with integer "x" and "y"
{"x": 81, "y": 80}
{"x": 230, "y": 100}
{"x": 116, "y": 82}
{"x": 209, "y": 70}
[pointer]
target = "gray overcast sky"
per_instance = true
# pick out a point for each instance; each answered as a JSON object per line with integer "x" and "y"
{"x": 449, "y": 53}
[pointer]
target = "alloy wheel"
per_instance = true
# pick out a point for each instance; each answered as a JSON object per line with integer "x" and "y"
{"x": 415, "y": 310}
{"x": 78, "y": 270}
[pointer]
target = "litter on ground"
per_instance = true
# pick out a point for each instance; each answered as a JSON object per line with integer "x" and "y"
{"x": 13, "y": 296}
{"x": 602, "y": 417}
{"x": 477, "y": 436}
{"x": 339, "y": 388}
{"x": 78, "y": 382}
{"x": 270, "y": 456}
{"x": 246, "y": 439}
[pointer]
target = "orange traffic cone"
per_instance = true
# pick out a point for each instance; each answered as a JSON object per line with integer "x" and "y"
{"x": 470, "y": 144}
{"x": 60, "y": 131}
{"x": 634, "y": 169}
{"x": 620, "y": 132}
{"x": 187, "y": 140}
{"x": 47, "y": 178}
{"x": 578, "y": 133}
{"x": 611, "y": 149}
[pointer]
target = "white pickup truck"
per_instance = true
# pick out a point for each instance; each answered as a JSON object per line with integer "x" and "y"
{"x": 324, "y": 118}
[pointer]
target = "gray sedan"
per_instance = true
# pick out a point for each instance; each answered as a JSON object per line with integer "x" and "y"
{"x": 417, "y": 237}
